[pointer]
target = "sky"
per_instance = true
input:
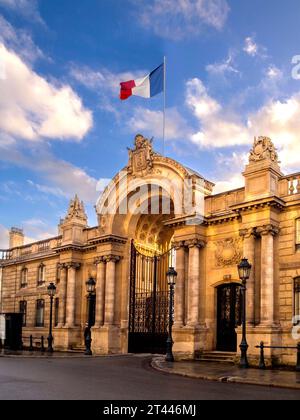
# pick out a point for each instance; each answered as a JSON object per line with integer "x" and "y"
{"x": 233, "y": 73}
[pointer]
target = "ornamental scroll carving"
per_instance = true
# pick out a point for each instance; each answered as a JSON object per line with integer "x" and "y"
{"x": 228, "y": 252}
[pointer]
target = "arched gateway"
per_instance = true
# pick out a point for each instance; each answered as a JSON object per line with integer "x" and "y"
{"x": 144, "y": 205}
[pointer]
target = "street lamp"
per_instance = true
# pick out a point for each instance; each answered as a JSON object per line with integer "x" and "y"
{"x": 244, "y": 269}
{"x": 51, "y": 292}
{"x": 90, "y": 288}
{"x": 171, "y": 278}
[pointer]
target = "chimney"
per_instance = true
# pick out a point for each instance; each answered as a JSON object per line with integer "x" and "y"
{"x": 16, "y": 237}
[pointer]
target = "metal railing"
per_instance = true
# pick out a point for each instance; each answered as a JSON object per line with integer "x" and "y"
{"x": 35, "y": 343}
{"x": 262, "y": 347}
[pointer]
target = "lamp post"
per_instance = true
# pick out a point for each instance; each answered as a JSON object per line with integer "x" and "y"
{"x": 244, "y": 269}
{"x": 51, "y": 292}
{"x": 90, "y": 288}
{"x": 171, "y": 277}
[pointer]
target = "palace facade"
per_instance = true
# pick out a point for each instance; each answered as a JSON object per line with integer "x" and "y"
{"x": 130, "y": 250}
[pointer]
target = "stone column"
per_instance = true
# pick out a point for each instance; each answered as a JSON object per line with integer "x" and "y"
{"x": 267, "y": 274}
{"x": 194, "y": 282}
{"x": 180, "y": 285}
{"x": 62, "y": 296}
{"x": 249, "y": 252}
{"x": 71, "y": 294}
{"x": 110, "y": 287}
{"x": 100, "y": 292}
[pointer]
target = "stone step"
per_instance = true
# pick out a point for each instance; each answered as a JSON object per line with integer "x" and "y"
{"x": 77, "y": 349}
{"x": 216, "y": 356}
{"x": 216, "y": 360}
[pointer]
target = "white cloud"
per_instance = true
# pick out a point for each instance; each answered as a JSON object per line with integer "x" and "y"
{"x": 250, "y": 47}
{"x": 37, "y": 230}
{"x": 181, "y": 18}
{"x": 231, "y": 176}
{"x": 61, "y": 177}
{"x": 103, "y": 79}
{"x": 217, "y": 128}
{"x": 26, "y": 8}
{"x": 4, "y": 237}
{"x": 20, "y": 41}
{"x": 274, "y": 72}
{"x": 222, "y": 68}
{"x": 32, "y": 108}
{"x": 151, "y": 123}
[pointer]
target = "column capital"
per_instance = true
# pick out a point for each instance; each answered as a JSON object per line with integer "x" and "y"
{"x": 111, "y": 258}
{"x": 247, "y": 233}
{"x": 73, "y": 265}
{"x": 178, "y": 245}
{"x": 267, "y": 230}
{"x": 195, "y": 243}
{"x": 62, "y": 266}
{"x": 99, "y": 260}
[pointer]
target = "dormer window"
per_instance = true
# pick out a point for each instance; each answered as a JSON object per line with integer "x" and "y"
{"x": 41, "y": 275}
{"x": 24, "y": 278}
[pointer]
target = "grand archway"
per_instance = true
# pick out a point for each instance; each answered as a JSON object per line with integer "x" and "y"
{"x": 138, "y": 215}
{"x": 151, "y": 256}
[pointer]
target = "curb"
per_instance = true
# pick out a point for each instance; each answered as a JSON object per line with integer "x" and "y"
{"x": 57, "y": 357}
{"x": 155, "y": 364}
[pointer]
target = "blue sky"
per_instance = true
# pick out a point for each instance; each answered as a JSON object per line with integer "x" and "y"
{"x": 62, "y": 126}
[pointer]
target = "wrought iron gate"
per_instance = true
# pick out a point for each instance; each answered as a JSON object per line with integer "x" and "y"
{"x": 149, "y": 299}
{"x": 229, "y": 316}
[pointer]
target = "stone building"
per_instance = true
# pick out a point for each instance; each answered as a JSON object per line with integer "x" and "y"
{"x": 157, "y": 213}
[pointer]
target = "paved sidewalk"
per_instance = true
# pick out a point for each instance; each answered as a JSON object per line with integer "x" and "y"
{"x": 229, "y": 373}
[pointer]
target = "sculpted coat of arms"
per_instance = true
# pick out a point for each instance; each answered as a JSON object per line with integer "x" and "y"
{"x": 228, "y": 252}
{"x": 263, "y": 148}
{"x": 141, "y": 157}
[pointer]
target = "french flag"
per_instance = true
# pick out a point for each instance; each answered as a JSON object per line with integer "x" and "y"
{"x": 147, "y": 87}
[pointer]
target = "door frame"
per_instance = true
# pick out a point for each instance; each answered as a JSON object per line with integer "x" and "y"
{"x": 235, "y": 315}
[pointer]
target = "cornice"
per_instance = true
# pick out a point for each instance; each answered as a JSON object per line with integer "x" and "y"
{"x": 108, "y": 239}
{"x": 222, "y": 219}
{"x": 274, "y": 201}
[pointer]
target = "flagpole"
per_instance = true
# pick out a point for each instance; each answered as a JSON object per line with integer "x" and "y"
{"x": 164, "y": 112}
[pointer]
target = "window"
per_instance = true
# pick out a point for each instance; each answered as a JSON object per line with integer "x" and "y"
{"x": 41, "y": 274}
{"x": 23, "y": 310}
{"x": 56, "y": 312}
{"x": 40, "y": 308}
{"x": 297, "y": 300}
{"x": 298, "y": 233}
{"x": 58, "y": 273}
{"x": 24, "y": 275}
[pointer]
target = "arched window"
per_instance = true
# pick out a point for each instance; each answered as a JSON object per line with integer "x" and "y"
{"x": 40, "y": 308}
{"x": 23, "y": 310}
{"x": 298, "y": 233}
{"x": 41, "y": 275}
{"x": 24, "y": 277}
{"x": 297, "y": 300}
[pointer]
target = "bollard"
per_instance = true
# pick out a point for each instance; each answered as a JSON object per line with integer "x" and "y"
{"x": 298, "y": 358}
{"x": 262, "y": 364}
{"x": 42, "y": 344}
{"x": 31, "y": 344}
